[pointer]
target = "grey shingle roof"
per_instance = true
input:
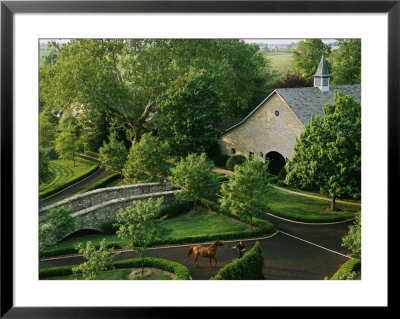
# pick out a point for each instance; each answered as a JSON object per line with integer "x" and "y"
{"x": 305, "y": 102}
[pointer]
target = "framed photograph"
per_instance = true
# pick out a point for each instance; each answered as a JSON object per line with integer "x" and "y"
{"x": 31, "y": 31}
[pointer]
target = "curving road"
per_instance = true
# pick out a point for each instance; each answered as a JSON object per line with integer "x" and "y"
{"x": 99, "y": 174}
{"x": 297, "y": 251}
{"x": 294, "y": 252}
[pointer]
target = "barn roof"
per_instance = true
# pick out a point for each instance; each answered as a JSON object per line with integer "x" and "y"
{"x": 308, "y": 101}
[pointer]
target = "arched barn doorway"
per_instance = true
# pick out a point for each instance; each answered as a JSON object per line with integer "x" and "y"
{"x": 276, "y": 162}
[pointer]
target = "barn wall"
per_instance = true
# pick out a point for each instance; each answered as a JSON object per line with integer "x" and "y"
{"x": 264, "y": 132}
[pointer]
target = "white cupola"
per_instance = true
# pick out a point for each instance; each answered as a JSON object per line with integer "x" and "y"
{"x": 322, "y": 76}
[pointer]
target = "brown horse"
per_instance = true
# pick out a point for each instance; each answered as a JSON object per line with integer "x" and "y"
{"x": 207, "y": 252}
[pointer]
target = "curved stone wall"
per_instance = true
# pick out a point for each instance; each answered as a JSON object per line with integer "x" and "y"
{"x": 98, "y": 196}
{"x": 95, "y": 208}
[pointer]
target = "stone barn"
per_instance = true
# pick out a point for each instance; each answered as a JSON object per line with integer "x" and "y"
{"x": 270, "y": 130}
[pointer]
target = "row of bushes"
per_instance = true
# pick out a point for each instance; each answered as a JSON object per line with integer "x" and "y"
{"x": 94, "y": 167}
{"x": 351, "y": 269}
{"x": 181, "y": 272}
{"x": 249, "y": 267}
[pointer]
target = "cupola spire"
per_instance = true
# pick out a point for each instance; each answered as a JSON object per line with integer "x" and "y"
{"x": 322, "y": 76}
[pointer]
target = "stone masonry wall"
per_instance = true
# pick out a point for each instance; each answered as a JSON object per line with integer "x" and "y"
{"x": 264, "y": 132}
{"x": 94, "y": 217}
{"x": 99, "y": 196}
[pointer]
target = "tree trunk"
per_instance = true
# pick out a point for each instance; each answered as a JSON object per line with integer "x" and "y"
{"x": 333, "y": 203}
{"x": 251, "y": 222}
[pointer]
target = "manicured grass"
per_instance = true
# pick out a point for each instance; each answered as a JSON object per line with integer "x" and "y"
{"x": 201, "y": 221}
{"x": 314, "y": 193}
{"x": 64, "y": 173}
{"x": 198, "y": 222}
{"x": 301, "y": 208}
{"x": 118, "y": 274}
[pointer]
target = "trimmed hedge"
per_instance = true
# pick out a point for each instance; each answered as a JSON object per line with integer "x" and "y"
{"x": 249, "y": 267}
{"x": 352, "y": 265}
{"x": 181, "y": 272}
{"x": 235, "y": 160}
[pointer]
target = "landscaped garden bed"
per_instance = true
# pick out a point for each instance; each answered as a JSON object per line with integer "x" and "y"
{"x": 129, "y": 269}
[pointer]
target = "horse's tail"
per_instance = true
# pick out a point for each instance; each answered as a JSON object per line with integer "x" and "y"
{"x": 189, "y": 251}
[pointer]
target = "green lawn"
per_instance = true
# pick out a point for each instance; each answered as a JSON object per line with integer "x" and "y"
{"x": 64, "y": 173}
{"x": 301, "y": 208}
{"x": 118, "y": 274}
{"x": 199, "y": 221}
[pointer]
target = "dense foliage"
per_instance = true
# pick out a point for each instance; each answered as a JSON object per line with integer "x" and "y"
{"x": 195, "y": 177}
{"x": 249, "y": 267}
{"x": 97, "y": 260}
{"x": 248, "y": 191}
{"x": 113, "y": 154}
{"x": 235, "y": 160}
{"x": 352, "y": 240}
{"x": 59, "y": 223}
{"x": 328, "y": 152}
{"x": 346, "y": 62}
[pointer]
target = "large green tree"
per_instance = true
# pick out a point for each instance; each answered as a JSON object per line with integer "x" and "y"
{"x": 113, "y": 154}
{"x": 195, "y": 177}
{"x": 248, "y": 192}
{"x": 307, "y": 55}
{"x": 142, "y": 225}
{"x": 189, "y": 113}
{"x": 345, "y": 62}
{"x": 119, "y": 82}
{"x": 328, "y": 152}
{"x": 147, "y": 160}
{"x": 68, "y": 142}
{"x": 47, "y": 130}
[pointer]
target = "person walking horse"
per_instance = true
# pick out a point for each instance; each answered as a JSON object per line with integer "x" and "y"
{"x": 241, "y": 248}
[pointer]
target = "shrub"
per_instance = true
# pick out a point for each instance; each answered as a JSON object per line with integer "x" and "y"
{"x": 220, "y": 160}
{"x": 109, "y": 228}
{"x": 176, "y": 209}
{"x": 272, "y": 180}
{"x": 235, "y": 160}
{"x": 282, "y": 173}
{"x": 281, "y": 183}
{"x": 350, "y": 270}
{"x": 92, "y": 154}
{"x": 249, "y": 267}
{"x": 181, "y": 272}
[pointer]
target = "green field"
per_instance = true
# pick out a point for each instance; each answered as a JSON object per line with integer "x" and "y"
{"x": 63, "y": 173}
{"x": 281, "y": 61}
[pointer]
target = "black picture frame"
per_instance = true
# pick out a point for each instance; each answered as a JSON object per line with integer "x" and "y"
{"x": 9, "y": 8}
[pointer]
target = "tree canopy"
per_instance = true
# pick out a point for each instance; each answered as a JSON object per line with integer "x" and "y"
{"x": 248, "y": 191}
{"x": 307, "y": 55}
{"x": 346, "y": 62}
{"x": 120, "y": 84}
{"x": 328, "y": 152}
